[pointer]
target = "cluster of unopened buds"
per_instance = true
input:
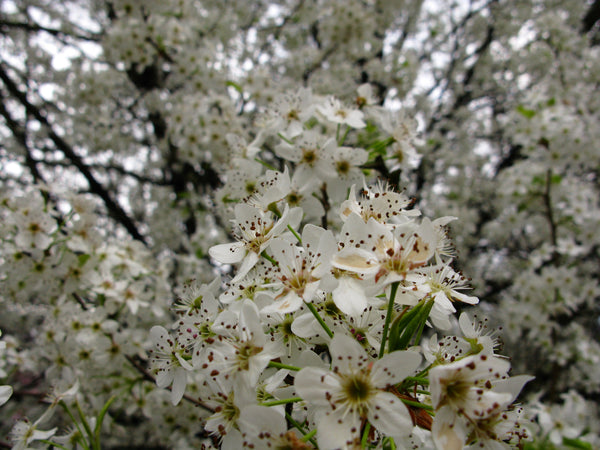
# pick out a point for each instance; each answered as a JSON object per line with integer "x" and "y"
{"x": 316, "y": 341}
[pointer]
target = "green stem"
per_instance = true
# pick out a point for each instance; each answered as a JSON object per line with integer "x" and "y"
{"x": 313, "y": 310}
{"x": 272, "y": 207}
{"x": 392, "y": 443}
{"x": 266, "y": 164}
{"x": 295, "y": 233}
{"x": 340, "y": 143}
{"x": 416, "y": 404}
{"x": 300, "y": 428}
{"x": 281, "y": 136}
{"x": 309, "y": 436}
{"x": 365, "y": 436}
{"x": 269, "y": 258}
{"x": 424, "y": 371}
{"x": 295, "y": 424}
{"x": 64, "y": 406}
{"x": 418, "y": 380}
{"x": 388, "y": 318}
{"x": 85, "y": 423}
{"x": 99, "y": 421}
{"x": 278, "y": 365}
{"x": 53, "y": 444}
{"x": 282, "y": 402}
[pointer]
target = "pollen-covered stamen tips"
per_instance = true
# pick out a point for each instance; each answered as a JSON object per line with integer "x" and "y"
{"x": 254, "y": 229}
{"x": 400, "y": 254}
{"x": 169, "y": 362}
{"x": 254, "y": 234}
{"x": 297, "y": 280}
{"x": 387, "y": 254}
{"x": 466, "y": 385}
{"x": 243, "y": 354}
{"x": 468, "y": 395}
{"x": 300, "y": 269}
{"x": 355, "y": 389}
{"x": 380, "y": 203}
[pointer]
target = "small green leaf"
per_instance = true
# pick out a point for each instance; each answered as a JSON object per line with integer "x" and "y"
{"x": 577, "y": 443}
{"x": 160, "y": 43}
{"x": 528, "y": 113}
{"x": 311, "y": 123}
{"x": 371, "y": 128}
{"x": 409, "y": 326}
{"x": 539, "y": 180}
{"x": 235, "y": 85}
{"x": 379, "y": 147}
{"x": 82, "y": 259}
{"x": 226, "y": 199}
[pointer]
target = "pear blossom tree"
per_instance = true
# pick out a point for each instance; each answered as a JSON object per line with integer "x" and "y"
{"x": 299, "y": 224}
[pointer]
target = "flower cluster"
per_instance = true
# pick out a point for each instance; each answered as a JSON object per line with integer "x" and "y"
{"x": 316, "y": 335}
{"x": 254, "y": 163}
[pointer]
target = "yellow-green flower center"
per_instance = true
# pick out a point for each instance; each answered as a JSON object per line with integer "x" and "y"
{"x": 357, "y": 390}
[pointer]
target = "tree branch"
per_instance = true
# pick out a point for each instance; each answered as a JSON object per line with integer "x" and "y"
{"x": 21, "y": 137}
{"x": 591, "y": 17}
{"x": 6, "y": 24}
{"x": 114, "y": 209}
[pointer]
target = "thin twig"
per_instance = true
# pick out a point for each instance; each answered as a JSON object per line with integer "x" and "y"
{"x": 95, "y": 187}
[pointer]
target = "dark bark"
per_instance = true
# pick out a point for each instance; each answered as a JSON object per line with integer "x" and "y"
{"x": 114, "y": 209}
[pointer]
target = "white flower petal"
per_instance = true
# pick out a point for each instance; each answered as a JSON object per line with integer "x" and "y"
{"x": 391, "y": 416}
{"x": 179, "y": 383}
{"x": 448, "y": 431}
{"x": 466, "y": 326}
{"x": 443, "y": 303}
{"x": 249, "y": 262}
{"x": 288, "y": 304}
{"x": 38, "y": 435}
{"x": 313, "y": 384}
{"x": 5, "y": 393}
{"x": 349, "y": 297}
{"x": 512, "y": 385}
{"x": 250, "y": 326}
{"x": 470, "y": 299}
{"x": 255, "y": 419}
{"x": 334, "y": 431}
{"x": 159, "y": 336}
{"x": 394, "y": 367}
{"x": 233, "y": 439}
{"x": 356, "y": 260}
{"x": 306, "y": 326}
{"x": 346, "y": 353}
{"x": 228, "y": 253}
{"x": 186, "y": 365}
{"x": 164, "y": 378}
